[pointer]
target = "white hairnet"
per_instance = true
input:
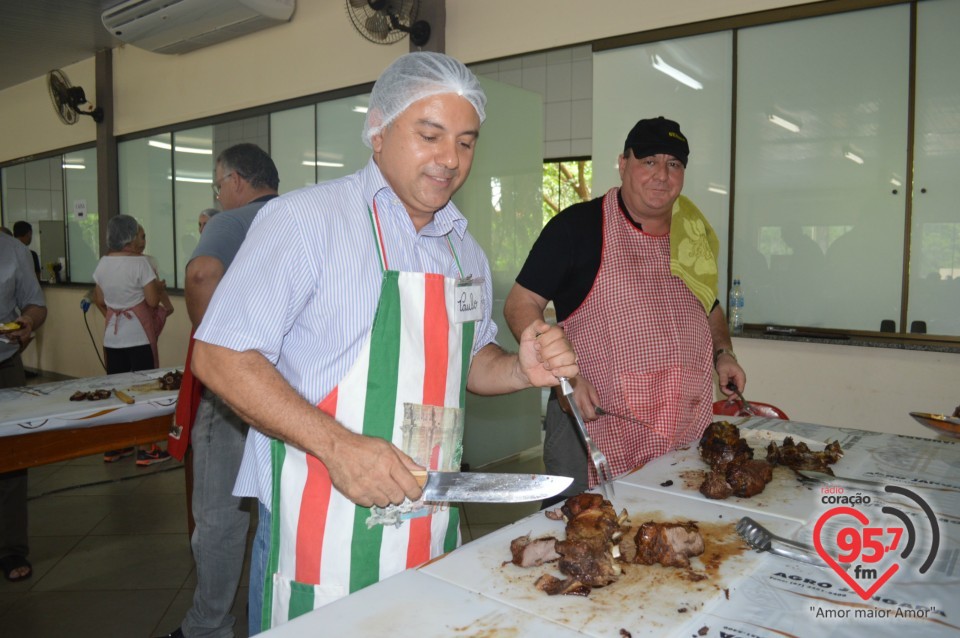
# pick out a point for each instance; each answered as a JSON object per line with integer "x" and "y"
{"x": 413, "y": 77}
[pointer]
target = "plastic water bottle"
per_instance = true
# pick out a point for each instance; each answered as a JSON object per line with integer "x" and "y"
{"x": 735, "y": 308}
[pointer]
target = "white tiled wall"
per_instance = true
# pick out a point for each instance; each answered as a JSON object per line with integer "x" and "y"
{"x": 565, "y": 80}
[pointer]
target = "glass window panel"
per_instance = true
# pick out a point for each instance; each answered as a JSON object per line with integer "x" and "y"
{"x": 340, "y": 148}
{"x": 934, "y": 294}
{"x": 252, "y": 130}
{"x": 33, "y": 192}
{"x": 292, "y": 147}
{"x": 565, "y": 184}
{"x": 820, "y": 141}
{"x": 193, "y": 163}
{"x": 146, "y": 194}
{"x": 83, "y": 218}
{"x": 502, "y": 203}
{"x": 627, "y": 87}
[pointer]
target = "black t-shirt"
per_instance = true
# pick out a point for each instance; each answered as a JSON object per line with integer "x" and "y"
{"x": 565, "y": 259}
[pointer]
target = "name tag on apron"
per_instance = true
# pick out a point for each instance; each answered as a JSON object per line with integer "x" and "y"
{"x": 468, "y": 301}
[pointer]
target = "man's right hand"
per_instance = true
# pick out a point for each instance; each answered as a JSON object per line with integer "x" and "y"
{"x": 371, "y": 471}
{"x": 586, "y": 397}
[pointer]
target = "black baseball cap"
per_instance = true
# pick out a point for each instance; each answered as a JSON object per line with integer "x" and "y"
{"x": 655, "y": 136}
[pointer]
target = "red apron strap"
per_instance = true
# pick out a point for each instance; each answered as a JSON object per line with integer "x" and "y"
{"x": 188, "y": 401}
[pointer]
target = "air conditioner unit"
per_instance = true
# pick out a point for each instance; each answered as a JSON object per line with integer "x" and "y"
{"x": 178, "y": 26}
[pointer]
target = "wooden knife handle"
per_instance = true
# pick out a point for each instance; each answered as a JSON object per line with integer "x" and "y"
{"x": 421, "y": 476}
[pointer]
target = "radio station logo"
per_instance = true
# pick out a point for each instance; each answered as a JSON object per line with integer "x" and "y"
{"x": 866, "y": 550}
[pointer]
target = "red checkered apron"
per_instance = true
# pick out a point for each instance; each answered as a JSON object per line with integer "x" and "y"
{"x": 643, "y": 340}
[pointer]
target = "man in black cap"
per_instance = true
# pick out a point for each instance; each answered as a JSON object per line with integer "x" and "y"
{"x": 633, "y": 278}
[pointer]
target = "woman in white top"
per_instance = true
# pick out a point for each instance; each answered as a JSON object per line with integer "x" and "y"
{"x": 127, "y": 293}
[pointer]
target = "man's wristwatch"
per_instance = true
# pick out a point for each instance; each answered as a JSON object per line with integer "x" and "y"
{"x": 716, "y": 355}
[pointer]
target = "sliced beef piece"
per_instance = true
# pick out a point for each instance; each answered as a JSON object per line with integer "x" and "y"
{"x": 670, "y": 544}
{"x": 749, "y": 478}
{"x": 529, "y": 552}
{"x": 554, "y": 515}
{"x": 554, "y": 586}
{"x": 715, "y": 486}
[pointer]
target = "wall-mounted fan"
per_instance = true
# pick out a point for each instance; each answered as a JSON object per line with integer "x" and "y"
{"x": 387, "y": 21}
{"x": 70, "y": 102}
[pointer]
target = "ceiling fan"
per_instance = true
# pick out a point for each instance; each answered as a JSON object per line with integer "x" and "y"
{"x": 69, "y": 101}
{"x": 387, "y": 21}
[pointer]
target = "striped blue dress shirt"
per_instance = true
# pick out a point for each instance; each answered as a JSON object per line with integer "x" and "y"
{"x": 304, "y": 286}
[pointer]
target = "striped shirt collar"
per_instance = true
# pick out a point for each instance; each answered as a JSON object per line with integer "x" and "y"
{"x": 449, "y": 218}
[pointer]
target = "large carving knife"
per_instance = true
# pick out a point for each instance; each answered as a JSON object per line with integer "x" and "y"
{"x": 480, "y": 487}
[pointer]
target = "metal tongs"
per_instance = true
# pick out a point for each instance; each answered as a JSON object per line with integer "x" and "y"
{"x": 763, "y": 540}
{"x": 597, "y": 457}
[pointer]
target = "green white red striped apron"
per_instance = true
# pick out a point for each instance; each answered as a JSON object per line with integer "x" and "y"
{"x": 408, "y": 386}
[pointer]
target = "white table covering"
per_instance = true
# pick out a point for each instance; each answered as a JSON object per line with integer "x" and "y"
{"x": 48, "y": 406}
{"x": 470, "y": 592}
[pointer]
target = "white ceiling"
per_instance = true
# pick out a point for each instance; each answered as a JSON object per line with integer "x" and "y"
{"x": 37, "y": 36}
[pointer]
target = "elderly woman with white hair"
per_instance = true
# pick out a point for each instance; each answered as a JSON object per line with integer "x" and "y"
{"x": 127, "y": 293}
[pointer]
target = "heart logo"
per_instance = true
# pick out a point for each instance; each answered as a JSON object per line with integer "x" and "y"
{"x": 842, "y": 570}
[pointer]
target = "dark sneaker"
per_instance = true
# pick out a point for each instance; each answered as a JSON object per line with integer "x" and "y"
{"x": 151, "y": 457}
{"x": 173, "y": 634}
{"x": 115, "y": 455}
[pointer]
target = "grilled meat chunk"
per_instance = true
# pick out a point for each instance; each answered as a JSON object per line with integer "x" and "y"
{"x": 171, "y": 380}
{"x": 670, "y": 544}
{"x": 733, "y": 470}
{"x": 592, "y": 530}
{"x": 798, "y": 456}
{"x": 575, "y": 505}
{"x": 594, "y": 525}
{"x": 589, "y": 561}
{"x": 553, "y": 586}
{"x": 721, "y": 444}
{"x": 715, "y": 486}
{"x": 749, "y": 478}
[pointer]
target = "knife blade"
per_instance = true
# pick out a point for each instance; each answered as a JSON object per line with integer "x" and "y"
{"x": 492, "y": 487}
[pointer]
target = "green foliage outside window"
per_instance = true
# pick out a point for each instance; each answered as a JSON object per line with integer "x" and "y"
{"x": 564, "y": 184}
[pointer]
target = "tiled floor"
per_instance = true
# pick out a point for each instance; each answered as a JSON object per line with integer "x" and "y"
{"x": 111, "y": 555}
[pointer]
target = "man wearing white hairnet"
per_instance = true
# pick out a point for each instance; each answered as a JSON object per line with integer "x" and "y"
{"x": 346, "y": 332}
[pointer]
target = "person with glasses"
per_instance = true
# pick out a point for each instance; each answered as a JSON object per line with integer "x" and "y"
{"x": 633, "y": 277}
{"x": 347, "y": 331}
{"x": 245, "y": 179}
